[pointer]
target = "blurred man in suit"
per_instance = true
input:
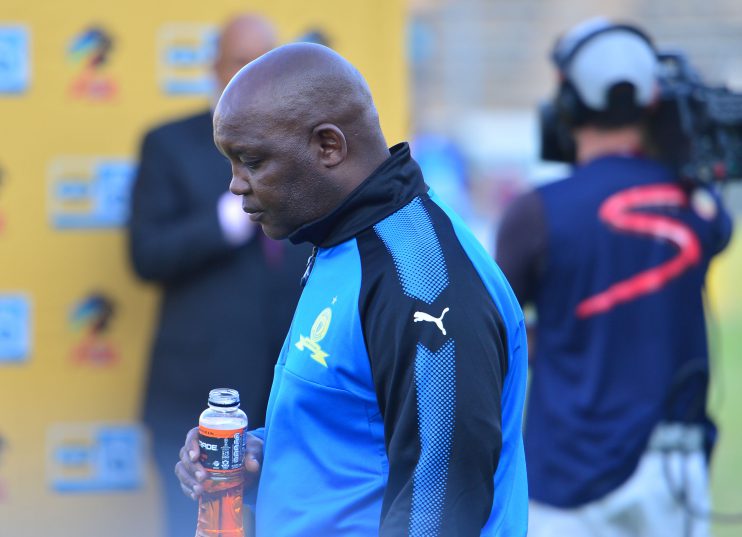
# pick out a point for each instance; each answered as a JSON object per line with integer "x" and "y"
{"x": 228, "y": 290}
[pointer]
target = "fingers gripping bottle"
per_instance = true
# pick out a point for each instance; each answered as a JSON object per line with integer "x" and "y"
{"x": 221, "y": 438}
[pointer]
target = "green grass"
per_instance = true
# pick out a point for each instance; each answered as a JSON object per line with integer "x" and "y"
{"x": 726, "y": 406}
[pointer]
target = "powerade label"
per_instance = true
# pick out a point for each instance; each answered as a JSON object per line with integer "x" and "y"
{"x": 221, "y": 451}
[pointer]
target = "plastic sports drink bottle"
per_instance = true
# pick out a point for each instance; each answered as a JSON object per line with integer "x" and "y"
{"x": 221, "y": 438}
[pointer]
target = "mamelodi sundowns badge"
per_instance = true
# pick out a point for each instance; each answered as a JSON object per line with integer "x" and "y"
{"x": 221, "y": 450}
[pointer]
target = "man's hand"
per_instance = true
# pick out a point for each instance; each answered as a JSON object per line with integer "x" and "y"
{"x": 253, "y": 460}
{"x": 191, "y": 473}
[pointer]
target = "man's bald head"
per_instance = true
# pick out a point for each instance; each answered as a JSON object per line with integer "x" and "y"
{"x": 305, "y": 84}
{"x": 242, "y": 39}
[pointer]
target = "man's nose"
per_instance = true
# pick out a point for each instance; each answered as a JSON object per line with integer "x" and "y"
{"x": 238, "y": 185}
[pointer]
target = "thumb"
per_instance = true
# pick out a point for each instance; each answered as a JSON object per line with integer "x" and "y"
{"x": 252, "y": 464}
{"x": 254, "y": 455}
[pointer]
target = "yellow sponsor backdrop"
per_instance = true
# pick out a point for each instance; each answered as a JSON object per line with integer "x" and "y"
{"x": 49, "y": 395}
{"x": 725, "y": 290}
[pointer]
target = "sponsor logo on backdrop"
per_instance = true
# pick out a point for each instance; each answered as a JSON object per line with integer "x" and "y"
{"x": 15, "y": 328}
{"x": 91, "y": 318}
{"x": 85, "y": 457}
{"x": 90, "y": 52}
{"x": 186, "y": 52}
{"x": 14, "y": 59}
{"x": 89, "y": 192}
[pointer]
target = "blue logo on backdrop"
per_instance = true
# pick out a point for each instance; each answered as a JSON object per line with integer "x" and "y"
{"x": 186, "y": 52}
{"x": 93, "y": 457}
{"x": 15, "y": 328}
{"x": 89, "y": 192}
{"x": 14, "y": 68}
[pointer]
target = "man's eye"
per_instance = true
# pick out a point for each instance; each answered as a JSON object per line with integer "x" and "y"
{"x": 250, "y": 163}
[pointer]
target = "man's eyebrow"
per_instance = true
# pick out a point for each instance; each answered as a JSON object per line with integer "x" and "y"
{"x": 236, "y": 149}
{"x": 241, "y": 147}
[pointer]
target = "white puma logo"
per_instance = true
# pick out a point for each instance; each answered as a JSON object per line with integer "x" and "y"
{"x": 422, "y": 316}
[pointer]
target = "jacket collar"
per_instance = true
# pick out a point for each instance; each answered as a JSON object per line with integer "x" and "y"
{"x": 396, "y": 182}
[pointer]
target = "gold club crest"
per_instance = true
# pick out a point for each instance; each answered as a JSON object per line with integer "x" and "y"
{"x": 317, "y": 334}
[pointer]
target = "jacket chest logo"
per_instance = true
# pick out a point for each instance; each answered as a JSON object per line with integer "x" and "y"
{"x": 317, "y": 334}
{"x": 438, "y": 321}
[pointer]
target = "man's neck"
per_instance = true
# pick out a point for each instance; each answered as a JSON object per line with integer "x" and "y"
{"x": 364, "y": 167}
{"x": 593, "y": 143}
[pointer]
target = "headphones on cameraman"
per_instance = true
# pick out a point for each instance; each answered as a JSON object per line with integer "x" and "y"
{"x": 570, "y": 107}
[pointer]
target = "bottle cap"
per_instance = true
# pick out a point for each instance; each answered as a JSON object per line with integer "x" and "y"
{"x": 224, "y": 397}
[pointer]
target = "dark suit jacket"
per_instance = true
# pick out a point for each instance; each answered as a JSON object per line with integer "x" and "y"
{"x": 225, "y": 310}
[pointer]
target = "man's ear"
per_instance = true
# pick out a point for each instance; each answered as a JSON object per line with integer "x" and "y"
{"x": 329, "y": 141}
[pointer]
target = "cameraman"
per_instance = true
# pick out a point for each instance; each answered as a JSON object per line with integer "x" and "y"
{"x": 614, "y": 260}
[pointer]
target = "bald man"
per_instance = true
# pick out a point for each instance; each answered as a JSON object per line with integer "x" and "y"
{"x": 397, "y": 398}
{"x": 228, "y": 291}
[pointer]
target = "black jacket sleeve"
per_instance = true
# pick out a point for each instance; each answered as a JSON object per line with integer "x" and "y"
{"x": 438, "y": 367}
{"x": 168, "y": 237}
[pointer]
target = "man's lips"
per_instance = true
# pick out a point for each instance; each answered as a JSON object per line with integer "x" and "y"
{"x": 253, "y": 212}
{"x": 250, "y": 210}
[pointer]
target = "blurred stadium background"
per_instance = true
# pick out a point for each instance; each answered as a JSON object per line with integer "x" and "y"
{"x": 80, "y": 81}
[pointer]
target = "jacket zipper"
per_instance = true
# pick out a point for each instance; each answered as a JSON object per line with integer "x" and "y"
{"x": 310, "y": 265}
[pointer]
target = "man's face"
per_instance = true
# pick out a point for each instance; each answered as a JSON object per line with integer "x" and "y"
{"x": 272, "y": 170}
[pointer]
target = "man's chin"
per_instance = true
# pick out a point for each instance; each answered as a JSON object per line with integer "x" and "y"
{"x": 273, "y": 233}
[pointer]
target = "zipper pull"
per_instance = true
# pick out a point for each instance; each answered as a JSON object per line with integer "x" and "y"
{"x": 310, "y": 265}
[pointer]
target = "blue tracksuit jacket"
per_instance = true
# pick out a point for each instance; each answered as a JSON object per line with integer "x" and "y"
{"x": 397, "y": 398}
